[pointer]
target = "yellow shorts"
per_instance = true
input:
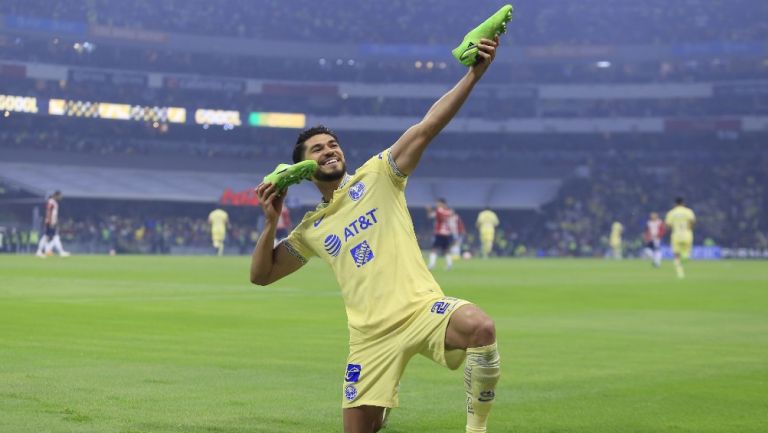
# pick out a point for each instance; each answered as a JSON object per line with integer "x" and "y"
{"x": 374, "y": 367}
{"x": 217, "y": 237}
{"x": 682, "y": 247}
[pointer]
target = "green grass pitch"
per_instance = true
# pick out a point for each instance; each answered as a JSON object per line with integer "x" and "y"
{"x": 186, "y": 344}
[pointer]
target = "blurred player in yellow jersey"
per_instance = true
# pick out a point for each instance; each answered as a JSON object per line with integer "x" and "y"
{"x": 486, "y": 224}
{"x": 680, "y": 220}
{"x": 219, "y": 220}
{"x": 615, "y": 239}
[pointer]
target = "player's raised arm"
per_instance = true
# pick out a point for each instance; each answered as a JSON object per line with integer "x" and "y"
{"x": 408, "y": 149}
{"x": 268, "y": 263}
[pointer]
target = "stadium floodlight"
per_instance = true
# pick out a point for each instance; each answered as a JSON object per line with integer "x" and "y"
{"x": 602, "y": 64}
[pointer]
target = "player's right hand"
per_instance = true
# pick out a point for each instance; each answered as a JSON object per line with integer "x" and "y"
{"x": 270, "y": 200}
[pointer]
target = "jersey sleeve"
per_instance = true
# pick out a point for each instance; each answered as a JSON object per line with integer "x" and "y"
{"x": 384, "y": 163}
{"x": 296, "y": 245}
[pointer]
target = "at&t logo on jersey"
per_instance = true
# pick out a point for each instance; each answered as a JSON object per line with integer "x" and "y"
{"x": 357, "y": 191}
{"x": 363, "y": 222}
{"x": 333, "y": 245}
{"x": 361, "y": 252}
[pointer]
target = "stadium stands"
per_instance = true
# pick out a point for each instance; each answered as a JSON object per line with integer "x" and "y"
{"x": 588, "y": 118}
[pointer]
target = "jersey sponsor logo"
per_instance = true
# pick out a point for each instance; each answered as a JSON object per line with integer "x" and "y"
{"x": 353, "y": 373}
{"x": 357, "y": 191}
{"x": 318, "y": 221}
{"x": 361, "y": 223}
{"x": 350, "y": 392}
{"x": 361, "y": 253}
{"x": 332, "y": 245}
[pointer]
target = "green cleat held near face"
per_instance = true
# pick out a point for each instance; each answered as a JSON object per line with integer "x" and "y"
{"x": 286, "y": 175}
{"x": 466, "y": 52}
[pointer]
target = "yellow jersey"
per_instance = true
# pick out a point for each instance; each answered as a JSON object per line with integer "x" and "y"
{"x": 218, "y": 218}
{"x": 680, "y": 220}
{"x": 487, "y": 222}
{"x": 616, "y": 230}
{"x": 365, "y": 233}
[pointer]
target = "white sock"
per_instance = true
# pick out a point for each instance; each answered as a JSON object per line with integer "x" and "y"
{"x": 56, "y": 244}
{"x": 657, "y": 257}
{"x": 481, "y": 374}
{"x": 42, "y": 245}
{"x": 432, "y": 259}
{"x": 49, "y": 247}
{"x": 448, "y": 261}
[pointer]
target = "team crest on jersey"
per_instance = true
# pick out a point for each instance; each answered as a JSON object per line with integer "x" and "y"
{"x": 350, "y": 392}
{"x": 357, "y": 191}
{"x": 353, "y": 373}
{"x": 332, "y": 245}
{"x": 362, "y": 253}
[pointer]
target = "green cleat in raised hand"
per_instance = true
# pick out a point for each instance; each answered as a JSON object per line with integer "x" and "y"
{"x": 286, "y": 175}
{"x": 466, "y": 52}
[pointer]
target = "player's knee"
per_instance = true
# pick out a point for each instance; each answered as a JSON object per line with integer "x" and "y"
{"x": 483, "y": 331}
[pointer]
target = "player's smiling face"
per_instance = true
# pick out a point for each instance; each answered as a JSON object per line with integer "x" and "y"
{"x": 324, "y": 149}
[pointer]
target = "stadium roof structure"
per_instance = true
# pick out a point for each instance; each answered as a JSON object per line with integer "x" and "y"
{"x": 88, "y": 182}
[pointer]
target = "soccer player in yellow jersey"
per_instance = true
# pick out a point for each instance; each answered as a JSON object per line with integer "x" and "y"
{"x": 219, "y": 220}
{"x": 680, "y": 220}
{"x": 395, "y": 309}
{"x": 486, "y": 224}
{"x": 615, "y": 239}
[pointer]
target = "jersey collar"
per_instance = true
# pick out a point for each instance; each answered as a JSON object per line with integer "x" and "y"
{"x": 344, "y": 181}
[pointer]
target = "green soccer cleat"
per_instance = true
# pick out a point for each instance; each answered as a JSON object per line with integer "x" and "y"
{"x": 466, "y": 52}
{"x": 286, "y": 175}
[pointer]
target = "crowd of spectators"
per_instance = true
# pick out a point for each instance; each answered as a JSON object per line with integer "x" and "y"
{"x": 607, "y": 179}
{"x": 728, "y": 195}
{"x": 424, "y": 21}
{"x": 119, "y": 234}
{"x": 444, "y": 69}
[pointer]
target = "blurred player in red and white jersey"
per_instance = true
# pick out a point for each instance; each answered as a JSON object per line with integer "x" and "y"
{"x": 50, "y": 239}
{"x": 458, "y": 231}
{"x": 283, "y": 224}
{"x": 443, "y": 238}
{"x": 654, "y": 231}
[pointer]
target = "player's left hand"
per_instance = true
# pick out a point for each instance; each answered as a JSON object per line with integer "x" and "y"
{"x": 486, "y": 52}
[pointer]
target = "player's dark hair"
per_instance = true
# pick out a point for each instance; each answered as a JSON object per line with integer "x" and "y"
{"x": 298, "y": 150}
{"x": 442, "y": 200}
{"x": 679, "y": 200}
